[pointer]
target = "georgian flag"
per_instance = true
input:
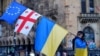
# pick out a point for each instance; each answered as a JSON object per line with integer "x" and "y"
{"x": 26, "y": 21}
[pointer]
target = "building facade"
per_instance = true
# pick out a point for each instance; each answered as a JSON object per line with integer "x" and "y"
{"x": 18, "y": 42}
{"x": 73, "y": 15}
{"x": 84, "y": 15}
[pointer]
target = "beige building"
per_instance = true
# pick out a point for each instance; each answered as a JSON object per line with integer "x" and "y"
{"x": 74, "y": 15}
{"x": 49, "y": 8}
{"x": 84, "y": 15}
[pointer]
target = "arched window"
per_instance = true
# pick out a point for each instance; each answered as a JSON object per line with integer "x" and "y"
{"x": 89, "y": 33}
{"x": 23, "y": 45}
{"x": 29, "y": 46}
{"x": 18, "y": 41}
{"x": 23, "y": 41}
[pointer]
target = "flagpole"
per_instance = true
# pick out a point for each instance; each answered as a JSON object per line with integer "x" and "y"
{"x": 34, "y": 27}
{"x": 34, "y": 42}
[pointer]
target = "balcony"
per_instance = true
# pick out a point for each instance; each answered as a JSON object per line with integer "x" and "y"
{"x": 89, "y": 17}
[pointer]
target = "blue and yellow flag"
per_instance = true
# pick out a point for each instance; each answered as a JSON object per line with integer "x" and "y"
{"x": 81, "y": 52}
{"x": 13, "y": 11}
{"x": 80, "y": 47}
{"x": 48, "y": 36}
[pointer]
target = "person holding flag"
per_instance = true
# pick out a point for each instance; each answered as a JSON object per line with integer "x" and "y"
{"x": 79, "y": 45}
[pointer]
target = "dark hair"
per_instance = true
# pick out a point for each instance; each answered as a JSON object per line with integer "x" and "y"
{"x": 79, "y": 33}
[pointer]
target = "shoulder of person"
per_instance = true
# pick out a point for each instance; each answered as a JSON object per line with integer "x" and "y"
{"x": 78, "y": 39}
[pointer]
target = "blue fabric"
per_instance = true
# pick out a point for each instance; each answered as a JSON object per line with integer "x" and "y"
{"x": 80, "y": 43}
{"x": 42, "y": 32}
{"x": 13, "y": 11}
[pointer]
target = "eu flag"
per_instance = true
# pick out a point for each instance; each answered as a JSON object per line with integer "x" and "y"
{"x": 13, "y": 11}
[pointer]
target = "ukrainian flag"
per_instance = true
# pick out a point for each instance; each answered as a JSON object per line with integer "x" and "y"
{"x": 48, "y": 36}
{"x": 81, "y": 52}
{"x": 80, "y": 47}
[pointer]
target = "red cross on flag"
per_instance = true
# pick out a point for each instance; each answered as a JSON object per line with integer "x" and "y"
{"x": 26, "y": 21}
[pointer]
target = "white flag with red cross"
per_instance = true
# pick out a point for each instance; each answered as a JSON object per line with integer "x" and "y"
{"x": 26, "y": 21}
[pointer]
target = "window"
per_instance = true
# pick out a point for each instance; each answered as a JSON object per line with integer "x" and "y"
{"x": 91, "y": 4}
{"x": 83, "y": 6}
{"x": 89, "y": 33}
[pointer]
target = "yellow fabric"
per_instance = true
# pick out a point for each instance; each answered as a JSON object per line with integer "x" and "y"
{"x": 55, "y": 37}
{"x": 81, "y": 52}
